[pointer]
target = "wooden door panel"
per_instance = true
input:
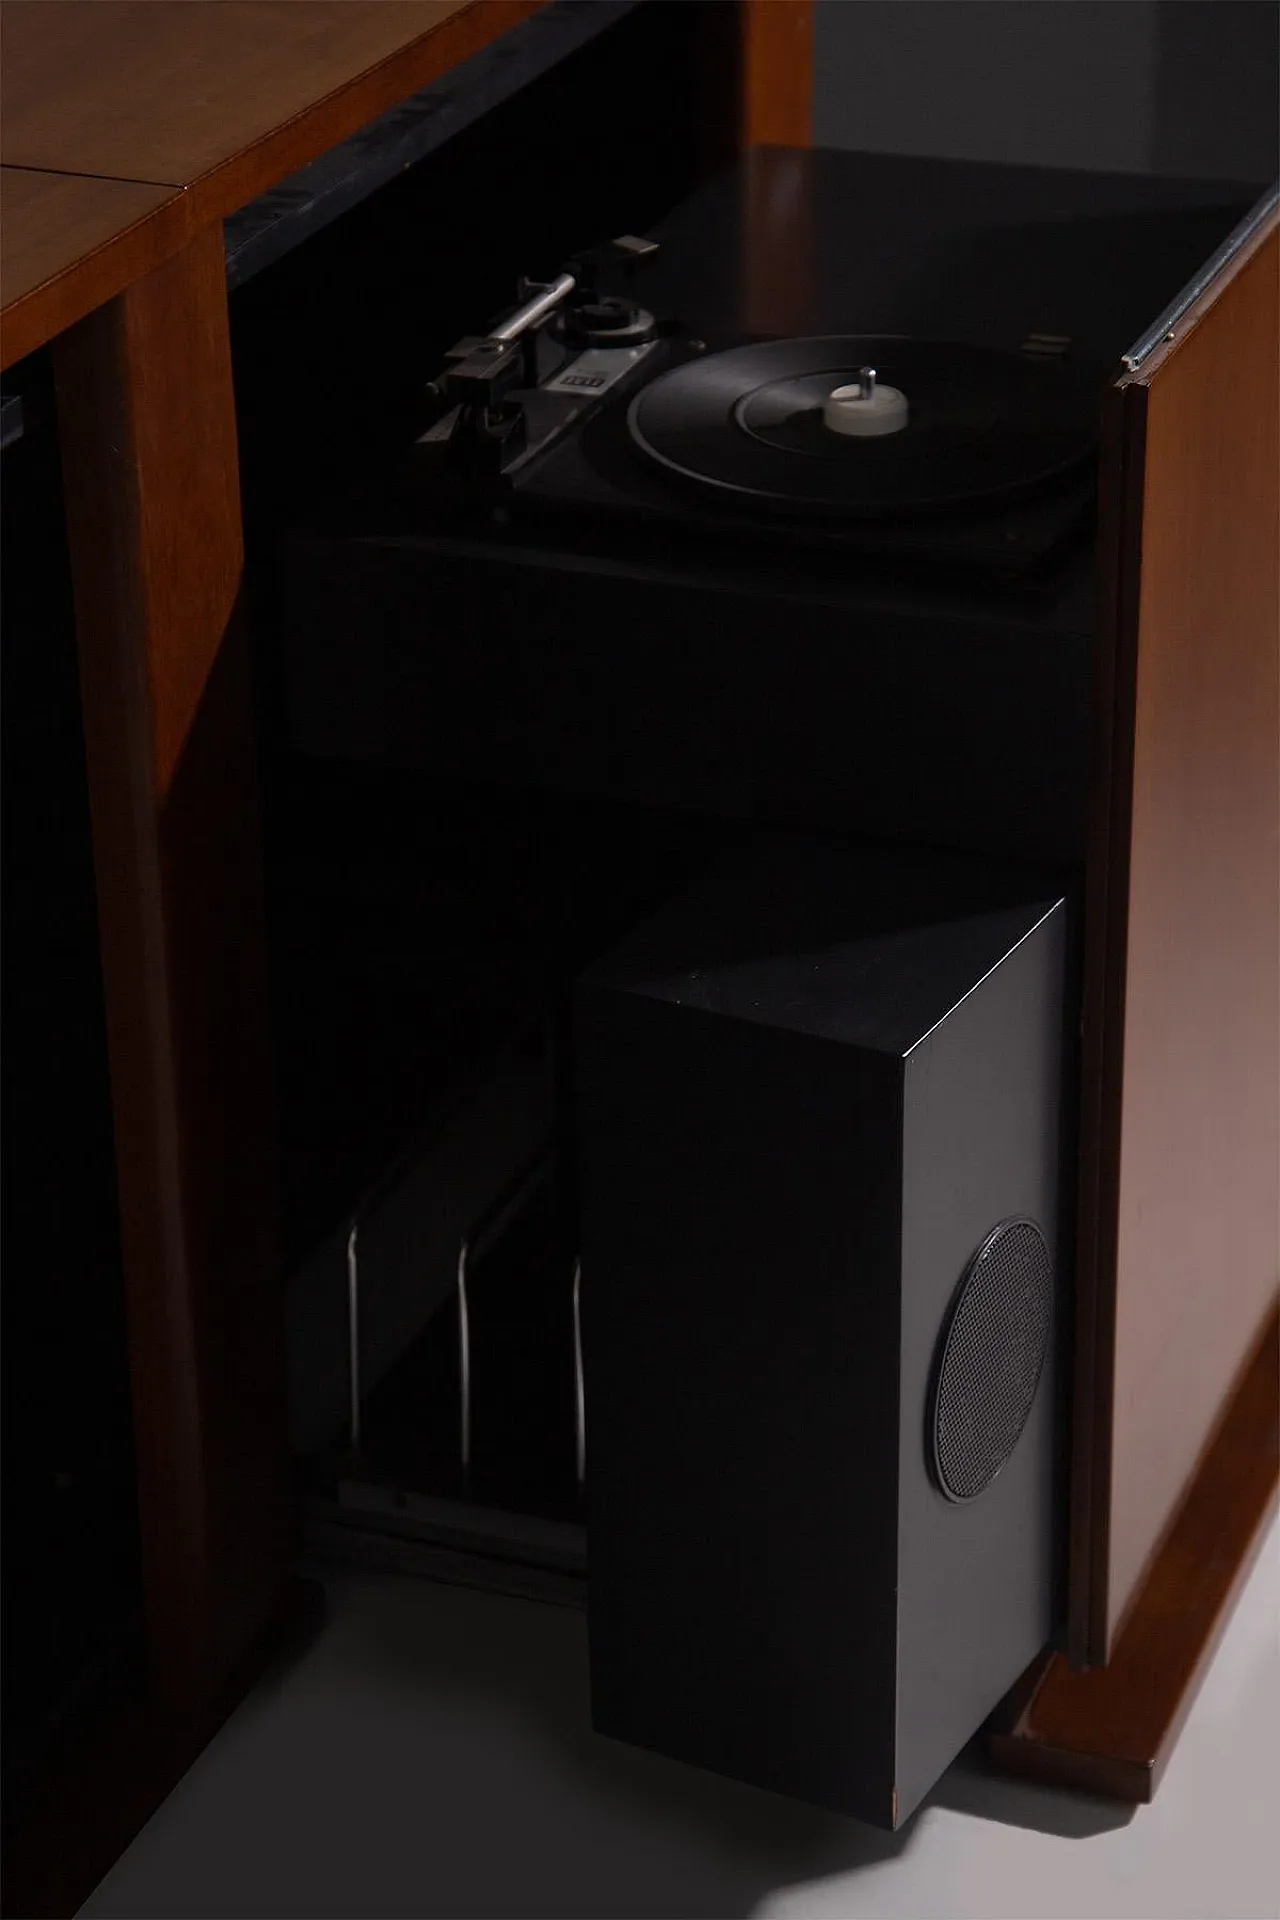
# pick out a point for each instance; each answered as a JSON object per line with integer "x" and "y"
{"x": 150, "y": 471}
{"x": 1180, "y": 1237}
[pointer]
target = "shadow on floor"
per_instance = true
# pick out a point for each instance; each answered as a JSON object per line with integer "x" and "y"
{"x": 431, "y": 1755}
{"x": 972, "y": 1786}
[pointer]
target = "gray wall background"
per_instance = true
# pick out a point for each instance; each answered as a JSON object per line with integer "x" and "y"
{"x": 1187, "y": 87}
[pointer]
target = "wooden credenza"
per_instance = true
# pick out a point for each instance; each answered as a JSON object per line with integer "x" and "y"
{"x": 130, "y": 133}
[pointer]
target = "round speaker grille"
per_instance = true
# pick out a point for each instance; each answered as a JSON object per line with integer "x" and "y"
{"x": 992, "y": 1354}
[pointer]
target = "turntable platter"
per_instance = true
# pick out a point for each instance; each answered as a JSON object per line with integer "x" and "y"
{"x": 777, "y": 422}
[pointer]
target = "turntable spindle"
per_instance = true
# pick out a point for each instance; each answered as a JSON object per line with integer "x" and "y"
{"x": 864, "y": 408}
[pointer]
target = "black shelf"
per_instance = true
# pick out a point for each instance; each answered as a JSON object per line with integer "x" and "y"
{"x": 317, "y": 195}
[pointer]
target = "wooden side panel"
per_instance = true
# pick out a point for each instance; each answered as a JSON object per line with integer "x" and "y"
{"x": 152, "y": 490}
{"x": 1181, "y": 1238}
{"x": 776, "y": 104}
{"x": 756, "y": 74}
{"x": 757, "y": 90}
{"x": 1111, "y": 1730}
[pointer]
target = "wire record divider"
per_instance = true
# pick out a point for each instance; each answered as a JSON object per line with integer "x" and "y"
{"x": 468, "y": 1460}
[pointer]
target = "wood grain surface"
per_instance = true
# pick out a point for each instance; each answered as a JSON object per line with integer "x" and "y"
{"x": 230, "y": 96}
{"x": 756, "y": 81}
{"x": 1111, "y": 1730}
{"x": 177, "y": 112}
{"x": 68, "y": 243}
{"x": 151, "y": 481}
{"x": 1180, "y": 1237}
{"x": 776, "y": 105}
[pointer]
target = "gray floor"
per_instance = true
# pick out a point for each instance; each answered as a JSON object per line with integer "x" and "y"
{"x": 431, "y": 1755}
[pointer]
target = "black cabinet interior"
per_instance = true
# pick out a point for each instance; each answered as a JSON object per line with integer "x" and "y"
{"x": 426, "y": 921}
{"x": 423, "y": 931}
{"x": 72, "y": 1605}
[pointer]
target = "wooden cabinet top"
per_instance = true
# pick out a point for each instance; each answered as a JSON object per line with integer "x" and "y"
{"x": 67, "y": 243}
{"x": 203, "y": 102}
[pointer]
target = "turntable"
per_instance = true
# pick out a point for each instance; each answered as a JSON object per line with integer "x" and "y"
{"x": 949, "y": 453}
{"x": 782, "y": 514}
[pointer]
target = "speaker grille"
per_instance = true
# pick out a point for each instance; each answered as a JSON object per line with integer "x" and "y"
{"x": 993, "y": 1351}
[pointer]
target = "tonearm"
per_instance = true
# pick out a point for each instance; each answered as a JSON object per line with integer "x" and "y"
{"x": 484, "y": 372}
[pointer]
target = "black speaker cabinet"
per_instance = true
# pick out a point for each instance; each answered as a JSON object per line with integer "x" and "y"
{"x": 818, "y": 1111}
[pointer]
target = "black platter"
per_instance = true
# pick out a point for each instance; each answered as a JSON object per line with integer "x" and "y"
{"x": 985, "y": 425}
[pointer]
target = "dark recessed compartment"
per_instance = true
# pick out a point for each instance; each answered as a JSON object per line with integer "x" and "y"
{"x": 424, "y": 927}
{"x": 509, "y": 715}
{"x": 72, "y": 1581}
{"x": 425, "y": 937}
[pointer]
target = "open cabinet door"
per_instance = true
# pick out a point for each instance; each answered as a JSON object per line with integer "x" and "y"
{"x": 1178, "y": 1255}
{"x": 1175, "y": 1450}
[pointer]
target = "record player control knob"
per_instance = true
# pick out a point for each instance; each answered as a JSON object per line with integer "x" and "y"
{"x": 865, "y": 409}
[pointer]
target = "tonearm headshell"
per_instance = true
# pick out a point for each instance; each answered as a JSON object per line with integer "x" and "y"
{"x": 567, "y": 338}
